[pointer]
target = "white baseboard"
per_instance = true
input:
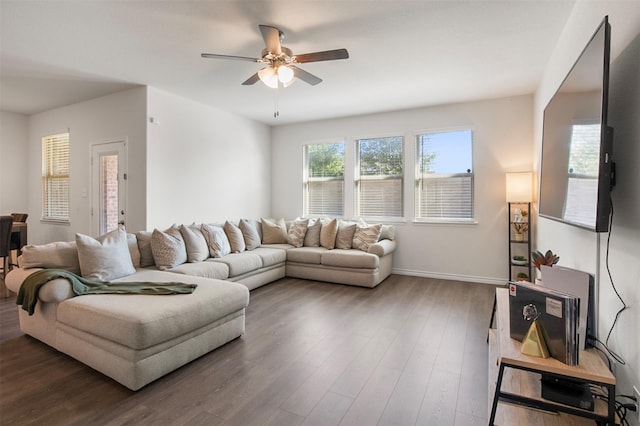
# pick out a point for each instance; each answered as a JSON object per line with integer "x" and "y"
{"x": 451, "y": 277}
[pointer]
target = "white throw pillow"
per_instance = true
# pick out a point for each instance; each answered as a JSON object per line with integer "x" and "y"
{"x": 297, "y": 231}
{"x": 195, "y": 243}
{"x": 365, "y": 236}
{"x": 236, "y": 239}
{"x": 134, "y": 251}
{"x": 105, "y": 258}
{"x": 216, "y": 240}
{"x": 274, "y": 231}
{"x": 168, "y": 248}
{"x": 144, "y": 246}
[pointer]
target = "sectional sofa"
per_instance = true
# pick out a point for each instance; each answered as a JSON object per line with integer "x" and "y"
{"x": 136, "y": 338}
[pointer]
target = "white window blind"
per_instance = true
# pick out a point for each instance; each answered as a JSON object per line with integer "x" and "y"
{"x": 444, "y": 176}
{"x": 324, "y": 179}
{"x": 379, "y": 177}
{"x": 55, "y": 177}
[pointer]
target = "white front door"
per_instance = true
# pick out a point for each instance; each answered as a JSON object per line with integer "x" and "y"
{"x": 108, "y": 185}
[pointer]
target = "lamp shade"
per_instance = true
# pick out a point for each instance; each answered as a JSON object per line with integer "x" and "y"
{"x": 519, "y": 187}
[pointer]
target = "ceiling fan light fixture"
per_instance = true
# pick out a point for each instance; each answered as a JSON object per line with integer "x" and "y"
{"x": 269, "y": 76}
{"x": 285, "y": 74}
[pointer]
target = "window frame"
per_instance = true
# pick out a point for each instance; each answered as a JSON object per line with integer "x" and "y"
{"x": 306, "y": 179}
{"x": 357, "y": 179}
{"x": 418, "y": 178}
{"x": 54, "y": 200}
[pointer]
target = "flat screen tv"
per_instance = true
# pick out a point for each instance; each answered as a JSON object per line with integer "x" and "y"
{"x": 576, "y": 170}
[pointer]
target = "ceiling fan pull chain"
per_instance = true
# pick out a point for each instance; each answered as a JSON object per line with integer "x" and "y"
{"x": 276, "y": 112}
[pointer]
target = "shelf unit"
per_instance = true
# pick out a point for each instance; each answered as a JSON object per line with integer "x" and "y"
{"x": 516, "y": 246}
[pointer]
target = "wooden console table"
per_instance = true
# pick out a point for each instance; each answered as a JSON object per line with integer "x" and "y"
{"x": 514, "y": 378}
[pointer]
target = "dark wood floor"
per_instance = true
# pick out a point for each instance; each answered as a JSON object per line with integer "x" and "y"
{"x": 411, "y": 351}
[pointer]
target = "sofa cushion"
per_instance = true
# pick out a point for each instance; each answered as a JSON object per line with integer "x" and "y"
{"x": 141, "y": 321}
{"x": 144, "y": 245}
{"x": 350, "y": 259}
{"x": 216, "y": 240}
{"x": 236, "y": 239}
{"x": 104, "y": 258}
{"x": 207, "y": 269}
{"x": 365, "y": 236}
{"x": 250, "y": 234}
{"x": 311, "y": 255}
{"x": 241, "y": 263}
{"x": 271, "y": 256}
{"x": 312, "y": 237}
{"x": 168, "y": 248}
{"x": 274, "y": 231}
{"x": 195, "y": 243}
{"x": 297, "y": 231}
{"x": 58, "y": 255}
{"x": 344, "y": 236}
{"x": 328, "y": 233}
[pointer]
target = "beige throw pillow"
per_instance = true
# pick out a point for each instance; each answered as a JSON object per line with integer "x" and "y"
{"x": 328, "y": 233}
{"x": 297, "y": 231}
{"x": 195, "y": 243}
{"x": 236, "y": 239}
{"x": 250, "y": 233}
{"x": 105, "y": 258}
{"x": 274, "y": 231}
{"x": 168, "y": 248}
{"x": 312, "y": 237}
{"x": 344, "y": 236}
{"x": 134, "y": 251}
{"x": 144, "y": 245}
{"x": 216, "y": 240}
{"x": 365, "y": 236}
{"x": 58, "y": 255}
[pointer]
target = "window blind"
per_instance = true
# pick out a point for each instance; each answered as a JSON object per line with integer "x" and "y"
{"x": 55, "y": 177}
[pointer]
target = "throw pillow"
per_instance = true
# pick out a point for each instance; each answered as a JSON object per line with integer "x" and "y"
{"x": 312, "y": 237}
{"x": 105, "y": 258}
{"x": 134, "y": 251}
{"x": 57, "y": 255}
{"x": 168, "y": 248}
{"x": 365, "y": 236}
{"x": 195, "y": 243}
{"x": 344, "y": 236}
{"x": 328, "y": 233}
{"x": 250, "y": 233}
{"x": 388, "y": 232}
{"x": 234, "y": 234}
{"x": 297, "y": 231}
{"x": 274, "y": 231}
{"x": 144, "y": 245}
{"x": 216, "y": 240}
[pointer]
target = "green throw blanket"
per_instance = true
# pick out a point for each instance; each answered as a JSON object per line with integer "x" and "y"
{"x": 28, "y": 294}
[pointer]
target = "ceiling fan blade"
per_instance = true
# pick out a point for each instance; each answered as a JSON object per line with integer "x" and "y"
{"x": 305, "y": 76}
{"x": 251, "y": 80}
{"x": 327, "y": 55}
{"x": 240, "y": 58}
{"x": 271, "y": 36}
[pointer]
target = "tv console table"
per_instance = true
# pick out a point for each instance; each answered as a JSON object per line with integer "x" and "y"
{"x": 514, "y": 381}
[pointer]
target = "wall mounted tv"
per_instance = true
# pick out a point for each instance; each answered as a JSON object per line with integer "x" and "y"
{"x": 576, "y": 171}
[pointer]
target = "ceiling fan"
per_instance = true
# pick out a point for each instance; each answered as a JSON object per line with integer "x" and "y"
{"x": 281, "y": 62}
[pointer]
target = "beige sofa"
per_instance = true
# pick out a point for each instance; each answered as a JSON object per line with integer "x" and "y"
{"x": 136, "y": 339}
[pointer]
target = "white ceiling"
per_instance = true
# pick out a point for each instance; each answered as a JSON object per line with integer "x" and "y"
{"x": 403, "y": 54}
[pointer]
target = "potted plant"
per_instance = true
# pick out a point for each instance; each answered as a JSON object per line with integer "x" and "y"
{"x": 522, "y": 277}
{"x": 520, "y": 228}
{"x": 549, "y": 258}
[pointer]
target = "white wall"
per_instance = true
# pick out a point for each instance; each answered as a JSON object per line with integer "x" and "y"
{"x": 102, "y": 119}
{"x": 204, "y": 164}
{"x": 581, "y": 249}
{"x": 13, "y": 167}
{"x": 502, "y": 141}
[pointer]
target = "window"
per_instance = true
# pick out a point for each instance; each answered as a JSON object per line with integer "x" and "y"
{"x": 324, "y": 179}
{"x": 379, "y": 177}
{"x": 444, "y": 176}
{"x": 55, "y": 178}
